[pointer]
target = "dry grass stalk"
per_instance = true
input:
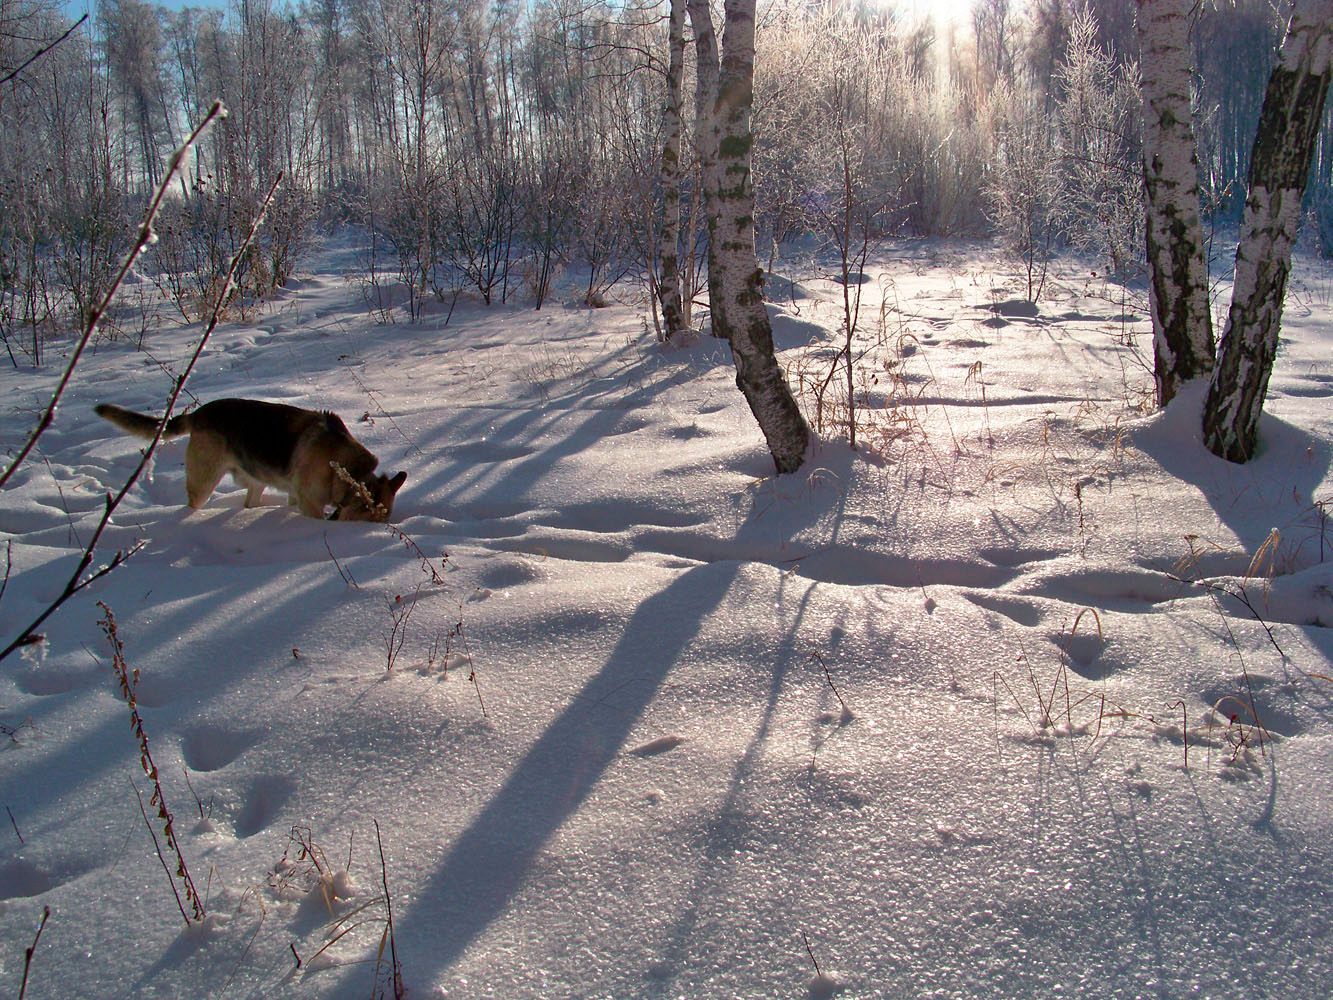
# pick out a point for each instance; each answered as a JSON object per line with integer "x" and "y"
{"x": 128, "y": 681}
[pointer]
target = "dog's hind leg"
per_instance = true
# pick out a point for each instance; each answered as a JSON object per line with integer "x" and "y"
{"x": 254, "y": 489}
{"x": 205, "y": 465}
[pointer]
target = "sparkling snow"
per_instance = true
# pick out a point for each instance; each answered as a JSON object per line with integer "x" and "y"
{"x": 1030, "y": 697}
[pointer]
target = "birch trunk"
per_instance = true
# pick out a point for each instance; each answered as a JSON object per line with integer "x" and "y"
{"x": 1178, "y": 276}
{"x": 705, "y": 141}
{"x": 735, "y": 281}
{"x": 1283, "y": 147}
{"x": 668, "y": 288}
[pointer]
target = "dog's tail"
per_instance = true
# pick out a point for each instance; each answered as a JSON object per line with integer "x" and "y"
{"x": 140, "y": 424}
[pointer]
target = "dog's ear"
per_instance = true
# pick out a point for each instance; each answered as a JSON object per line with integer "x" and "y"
{"x": 392, "y": 486}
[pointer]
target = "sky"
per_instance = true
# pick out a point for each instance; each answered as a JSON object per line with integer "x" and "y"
{"x": 75, "y": 8}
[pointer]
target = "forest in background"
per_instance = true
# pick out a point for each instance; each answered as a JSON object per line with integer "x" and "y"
{"x": 485, "y": 146}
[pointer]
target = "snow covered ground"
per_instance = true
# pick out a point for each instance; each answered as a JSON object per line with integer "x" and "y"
{"x": 1029, "y": 697}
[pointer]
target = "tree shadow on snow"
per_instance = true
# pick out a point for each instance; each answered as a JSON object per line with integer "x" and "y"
{"x": 490, "y": 860}
{"x": 1276, "y": 488}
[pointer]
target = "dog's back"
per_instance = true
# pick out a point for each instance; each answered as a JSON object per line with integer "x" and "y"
{"x": 309, "y": 453}
{"x": 265, "y": 439}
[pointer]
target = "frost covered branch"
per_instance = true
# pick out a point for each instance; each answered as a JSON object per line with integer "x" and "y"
{"x": 143, "y": 240}
{"x": 77, "y": 581}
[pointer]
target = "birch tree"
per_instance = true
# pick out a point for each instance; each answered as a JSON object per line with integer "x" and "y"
{"x": 668, "y": 287}
{"x": 706, "y": 69}
{"x": 735, "y": 282}
{"x": 1279, "y": 167}
{"x": 132, "y": 41}
{"x": 1177, "y": 272}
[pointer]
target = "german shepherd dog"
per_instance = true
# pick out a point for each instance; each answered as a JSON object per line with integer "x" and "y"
{"x": 326, "y": 472}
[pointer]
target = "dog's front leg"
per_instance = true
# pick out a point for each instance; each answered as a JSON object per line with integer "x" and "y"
{"x": 307, "y": 506}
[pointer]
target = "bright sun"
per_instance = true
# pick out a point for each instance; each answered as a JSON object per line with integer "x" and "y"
{"x": 943, "y": 11}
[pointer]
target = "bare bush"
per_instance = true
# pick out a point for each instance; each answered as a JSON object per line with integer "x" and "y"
{"x": 1024, "y": 190}
{"x": 1101, "y": 121}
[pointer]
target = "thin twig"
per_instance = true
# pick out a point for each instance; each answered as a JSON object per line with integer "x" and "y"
{"x": 398, "y": 990}
{"x": 412, "y": 445}
{"x": 75, "y": 584}
{"x": 128, "y": 681}
{"x": 32, "y": 950}
{"x": 64, "y": 504}
{"x": 1184, "y": 730}
{"x": 263, "y": 915}
{"x": 400, "y": 612}
{"x": 344, "y": 573}
{"x": 847, "y": 714}
{"x": 1244, "y": 668}
{"x": 37, "y": 55}
{"x": 810, "y": 951}
{"x": 157, "y": 848}
{"x": 457, "y": 633}
{"x": 145, "y": 237}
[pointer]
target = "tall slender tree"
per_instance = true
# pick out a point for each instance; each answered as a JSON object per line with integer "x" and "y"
{"x": 132, "y": 40}
{"x": 1284, "y": 145}
{"x": 668, "y": 287}
{"x": 735, "y": 282}
{"x": 1177, "y": 272}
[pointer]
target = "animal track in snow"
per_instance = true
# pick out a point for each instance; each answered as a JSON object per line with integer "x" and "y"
{"x": 208, "y": 747}
{"x": 1131, "y": 589}
{"x": 1014, "y": 608}
{"x": 267, "y": 795}
{"x": 658, "y": 746}
{"x": 630, "y": 425}
{"x": 508, "y": 571}
{"x": 480, "y": 452}
{"x": 856, "y": 567}
{"x": 1245, "y": 698}
{"x": 1081, "y": 651}
{"x": 490, "y": 511}
{"x": 699, "y": 548}
{"x": 155, "y": 691}
{"x": 571, "y": 549}
{"x": 1320, "y": 385}
{"x": 608, "y": 518}
{"x": 485, "y": 529}
{"x": 1016, "y": 557}
{"x": 49, "y": 679}
{"x": 21, "y": 878}
{"x": 1015, "y": 308}
{"x": 837, "y": 791}
{"x": 688, "y": 432}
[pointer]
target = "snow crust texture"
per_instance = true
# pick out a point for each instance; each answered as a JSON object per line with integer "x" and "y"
{"x": 1030, "y": 696}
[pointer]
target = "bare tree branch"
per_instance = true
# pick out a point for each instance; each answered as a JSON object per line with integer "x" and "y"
{"x": 41, "y": 52}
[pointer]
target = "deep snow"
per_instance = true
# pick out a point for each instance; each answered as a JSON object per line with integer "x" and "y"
{"x": 610, "y": 759}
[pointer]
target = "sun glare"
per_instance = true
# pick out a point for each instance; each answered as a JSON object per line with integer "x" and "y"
{"x": 943, "y": 12}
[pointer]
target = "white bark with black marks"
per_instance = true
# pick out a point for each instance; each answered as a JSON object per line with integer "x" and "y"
{"x": 1280, "y": 165}
{"x": 668, "y": 289}
{"x": 1177, "y": 272}
{"x": 735, "y": 281}
{"x": 705, "y": 135}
